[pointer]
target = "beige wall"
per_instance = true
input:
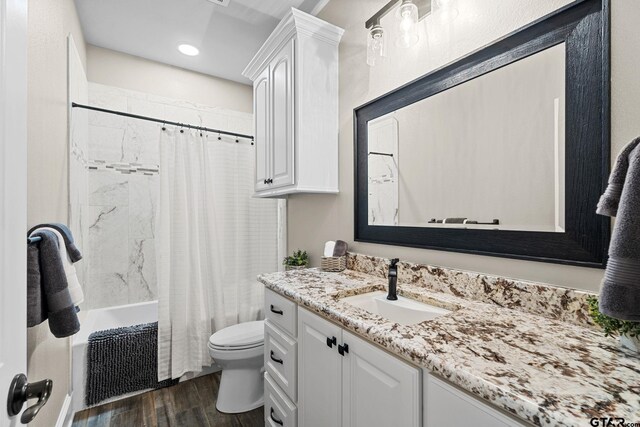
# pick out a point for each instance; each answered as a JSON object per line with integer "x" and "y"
{"x": 131, "y": 72}
{"x": 314, "y": 219}
{"x": 50, "y": 22}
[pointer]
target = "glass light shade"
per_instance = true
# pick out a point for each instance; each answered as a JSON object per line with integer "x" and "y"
{"x": 407, "y": 24}
{"x": 445, "y": 7}
{"x": 376, "y": 45}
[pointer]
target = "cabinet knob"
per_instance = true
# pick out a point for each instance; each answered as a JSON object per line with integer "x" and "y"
{"x": 331, "y": 342}
{"x": 342, "y": 349}
{"x": 265, "y": 181}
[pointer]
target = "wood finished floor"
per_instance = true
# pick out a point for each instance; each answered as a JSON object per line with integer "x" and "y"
{"x": 188, "y": 404}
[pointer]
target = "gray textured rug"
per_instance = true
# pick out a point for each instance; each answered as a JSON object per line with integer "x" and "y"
{"x": 121, "y": 361}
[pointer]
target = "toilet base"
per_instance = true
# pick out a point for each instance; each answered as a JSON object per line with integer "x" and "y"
{"x": 241, "y": 390}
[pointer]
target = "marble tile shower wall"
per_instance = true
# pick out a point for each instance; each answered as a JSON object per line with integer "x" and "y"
{"x": 121, "y": 169}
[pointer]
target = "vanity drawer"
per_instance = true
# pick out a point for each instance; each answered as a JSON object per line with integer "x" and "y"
{"x": 279, "y": 411}
{"x": 281, "y": 312}
{"x": 280, "y": 359}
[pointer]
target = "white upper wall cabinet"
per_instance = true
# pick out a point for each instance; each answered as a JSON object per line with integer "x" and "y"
{"x": 295, "y": 95}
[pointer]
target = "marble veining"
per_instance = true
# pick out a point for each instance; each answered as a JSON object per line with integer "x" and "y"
{"x": 547, "y": 371}
{"x": 568, "y": 305}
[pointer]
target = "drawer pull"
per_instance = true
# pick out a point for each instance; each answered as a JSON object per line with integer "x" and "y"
{"x": 274, "y": 419}
{"x": 331, "y": 342}
{"x": 275, "y": 359}
{"x": 273, "y": 310}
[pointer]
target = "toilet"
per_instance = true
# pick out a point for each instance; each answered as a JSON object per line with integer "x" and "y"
{"x": 239, "y": 350}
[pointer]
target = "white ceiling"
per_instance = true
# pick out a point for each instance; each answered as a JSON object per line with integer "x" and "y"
{"x": 227, "y": 37}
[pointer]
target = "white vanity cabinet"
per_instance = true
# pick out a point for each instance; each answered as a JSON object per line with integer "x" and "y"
{"x": 295, "y": 90}
{"x": 320, "y": 375}
{"x": 447, "y": 405}
{"x": 350, "y": 382}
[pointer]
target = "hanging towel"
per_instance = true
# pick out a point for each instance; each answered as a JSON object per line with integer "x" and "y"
{"x": 75, "y": 290}
{"x": 620, "y": 290}
{"x": 49, "y": 297}
{"x": 36, "y": 306}
{"x": 72, "y": 250}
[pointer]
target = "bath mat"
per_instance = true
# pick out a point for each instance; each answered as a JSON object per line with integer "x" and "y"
{"x": 121, "y": 361}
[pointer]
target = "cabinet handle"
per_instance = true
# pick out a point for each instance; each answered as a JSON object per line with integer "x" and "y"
{"x": 273, "y": 310}
{"x": 265, "y": 181}
{"x": 275, "y": 359}
{"x": 274, "y": 419}
{"x": 331, "y": 341}
{"x": 342, "y": 349}
{"x": 269, "y": 181}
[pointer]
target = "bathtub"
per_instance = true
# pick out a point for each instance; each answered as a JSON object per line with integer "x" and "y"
{"x": 98, "y": 320}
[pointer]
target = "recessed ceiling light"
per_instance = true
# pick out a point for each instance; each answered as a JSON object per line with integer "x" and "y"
{"x": 188, "y": 50}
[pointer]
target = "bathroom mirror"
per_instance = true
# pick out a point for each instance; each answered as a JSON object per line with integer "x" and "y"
{"x": 504, "y": 152}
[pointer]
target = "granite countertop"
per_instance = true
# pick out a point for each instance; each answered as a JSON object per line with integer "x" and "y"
{"x": 549, "y": 372}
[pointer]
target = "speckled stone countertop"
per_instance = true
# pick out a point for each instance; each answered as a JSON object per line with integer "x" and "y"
{"x": 549, "y": 372}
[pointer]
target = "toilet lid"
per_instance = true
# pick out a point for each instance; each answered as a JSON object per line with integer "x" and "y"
{"x": 240, "y": 335}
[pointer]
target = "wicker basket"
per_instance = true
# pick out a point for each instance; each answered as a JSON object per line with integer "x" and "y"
{"x": 333, "y": 263}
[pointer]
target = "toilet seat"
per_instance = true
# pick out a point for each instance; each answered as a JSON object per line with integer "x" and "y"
{"x": 242, "y": 336}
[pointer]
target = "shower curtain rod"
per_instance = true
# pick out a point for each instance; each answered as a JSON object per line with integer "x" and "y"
{"x": 165, "y": 122}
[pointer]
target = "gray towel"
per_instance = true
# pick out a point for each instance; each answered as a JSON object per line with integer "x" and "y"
{"x": 620, "y": 290}
{"x": 609, "y": 201}
{"x": 47, "y": 291}
{"x": 74, "y": 253}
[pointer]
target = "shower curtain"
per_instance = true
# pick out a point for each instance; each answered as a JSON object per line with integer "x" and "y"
{"x": 212, "y": 239}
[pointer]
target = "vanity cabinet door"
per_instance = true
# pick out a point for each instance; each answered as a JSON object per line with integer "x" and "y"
{"x": 261, "y": 98}
{"x": 319, "y": 372}
{"x": 447, "y": 405}
{"x": 378, "y": 389}
{"x": 282, "y": 117}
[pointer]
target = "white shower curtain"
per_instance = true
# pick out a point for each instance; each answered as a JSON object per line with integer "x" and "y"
{"x": 212, "y": 239}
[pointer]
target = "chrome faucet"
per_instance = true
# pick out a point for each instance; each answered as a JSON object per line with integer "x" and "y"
{"x": 393, "y": 280}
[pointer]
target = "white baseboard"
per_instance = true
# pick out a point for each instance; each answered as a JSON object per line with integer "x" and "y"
{"x": 65, "y": 417}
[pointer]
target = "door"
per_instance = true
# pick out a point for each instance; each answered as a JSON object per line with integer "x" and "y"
{"x": 319, "y": 371}
{"x": 282, "y": 117}
{"x": 261, "y": 119}
{"x": 378, "y": 389}
{"x": 13, "y": 197}
{"x": 446, "y": 405}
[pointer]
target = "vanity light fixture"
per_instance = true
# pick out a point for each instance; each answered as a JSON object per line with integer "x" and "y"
{"x": 407, "y": 24}
{"x": 408, "y": 15}
{"x": 376, "y": 44}
{"x": 188, "y": 50}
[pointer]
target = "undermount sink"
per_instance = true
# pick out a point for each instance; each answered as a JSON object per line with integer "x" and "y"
{"x": 404, "y": 311}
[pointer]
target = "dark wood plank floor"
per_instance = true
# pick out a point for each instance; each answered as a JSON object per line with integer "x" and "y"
{"x": 188, "y": 404}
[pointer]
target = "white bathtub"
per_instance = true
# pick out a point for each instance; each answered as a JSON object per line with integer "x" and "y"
{"x": 98, "y": 320}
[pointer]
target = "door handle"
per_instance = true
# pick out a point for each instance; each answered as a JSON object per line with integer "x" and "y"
{"x": 20, "y": 391}
{"x": 275, "y": 359}
{"x": 274, "y": 419}
{"x": 273, "y": 310}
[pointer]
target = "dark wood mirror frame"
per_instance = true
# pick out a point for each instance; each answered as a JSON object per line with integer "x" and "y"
{"x": 584, "y": 27}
